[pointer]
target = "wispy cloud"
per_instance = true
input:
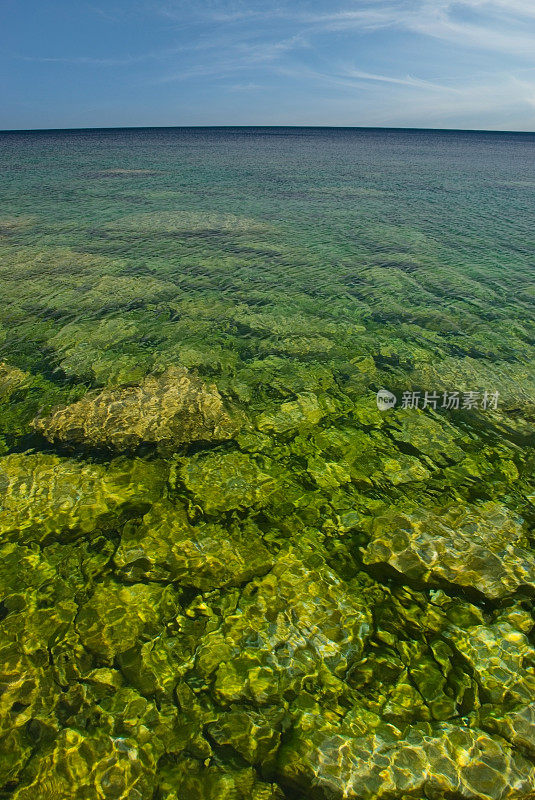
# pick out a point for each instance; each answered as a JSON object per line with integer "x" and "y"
{"x": 497, "y": 103}
{"x": 243, "y": 87}
{"x": 504, "y": 26}
{"x": 501, "y": 31}
{"x": 442, "y": 18}
{"x": 498, "y": 25}
{"x": 519, "y": 8}
{"x": 270, "y": 51}
{"x": 407, "y": 80}
{"x": 234, "y": 55}
{"x": 86, "y": 60}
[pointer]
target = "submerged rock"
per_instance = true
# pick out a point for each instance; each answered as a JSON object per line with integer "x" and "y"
{"x": 167, "y": 411}
{"x": 437, "y": 440}
{"x": 214, "y": 780}
{"x": 306, "y": 411}
{"x": 28, "y": 691}
{"x": 81, "y": 766}
{"x": 479, "y": 547}
{"x": 226, "y": 481}
{"x": 45, "y": 497}
{"x": 165, "y": 547}
{"x": 292, "y": 627}
{"x": 435, "y": 760}
{"x": 256, "y": 737}
{"x": 501, "y": 660}
{"x": 11, "y": 379}
{"x": 118, "y": 617}
{"x": 517, "y": 726}
{"x": 185, "y": 222}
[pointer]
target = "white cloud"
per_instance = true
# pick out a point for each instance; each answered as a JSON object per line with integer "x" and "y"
{"x": 86, "y": 60}
{"x": 407, "y": 80}
{"x": 497, "y": 102}
{"x": 500, "y": 25}
{"x": 244, "y": 87}
{"x": 495, "y": 25}
{"x": 520, "y": 8}
{"x": 269, "y": 51}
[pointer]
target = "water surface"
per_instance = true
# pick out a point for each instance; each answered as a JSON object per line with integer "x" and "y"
{"x": 299, "y": 271}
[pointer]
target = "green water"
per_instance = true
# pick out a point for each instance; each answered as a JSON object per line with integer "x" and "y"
{"x": 332, "y": 600}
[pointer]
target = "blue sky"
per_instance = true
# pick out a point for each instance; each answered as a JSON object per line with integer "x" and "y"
{"x": 408, "y": 63}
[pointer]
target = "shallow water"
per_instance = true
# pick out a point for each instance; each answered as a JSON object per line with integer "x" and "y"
{"x": 208, "y": 616}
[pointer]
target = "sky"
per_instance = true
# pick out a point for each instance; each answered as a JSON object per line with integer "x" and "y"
{"x": 396, "y": 63}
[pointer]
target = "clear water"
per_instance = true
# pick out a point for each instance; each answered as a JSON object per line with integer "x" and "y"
{"x": 277, "y": 263}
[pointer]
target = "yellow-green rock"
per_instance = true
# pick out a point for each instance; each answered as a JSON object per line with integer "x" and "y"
{"x": 45, "y": 497}
{"x": 165, "y": 411}
{"x": 481, "y": 547}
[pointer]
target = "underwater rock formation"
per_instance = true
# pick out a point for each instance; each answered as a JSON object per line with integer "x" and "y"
{"x": 185, "y": 221}
{"x": 482, "y": 548}
{"x": 117, "y": 617}
{"x": 333, "y": 601}
{"x": 306, "y": 411}
{"x": 81, "y": 766}
{"x": 294, "y": 626}
{"x": 517, "y": 726}
{"x": 437, "y": 761}
{"x": 45, "y": 497}
{"x": 167, "y": 411}
{"x": 225, "y": 481}
{"x": 11, "y": 379}
{"x": 165, "y": 547}
{"x": 501, "y": 660}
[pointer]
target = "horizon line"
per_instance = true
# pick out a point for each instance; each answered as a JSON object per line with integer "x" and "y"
{"x": 265, "y": 127}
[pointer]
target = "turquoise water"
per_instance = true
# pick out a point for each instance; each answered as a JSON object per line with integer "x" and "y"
{"x": 298, "y": 271}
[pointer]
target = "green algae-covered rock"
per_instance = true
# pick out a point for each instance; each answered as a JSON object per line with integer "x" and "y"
{"x": 215, "y": 780}
{"x": 480, "y": 547}
{"x": 304, "y": 412}
{"x": 82, "y": 766}
{"x": 185, "y": 221}
{"x": 117, "y": 617}
{"x": 400, "y": 469}
{"x": 45, "y": 497}
{"x": 437, "y": 760}
{"x": 23, "y": 569}
{"x": 28, "y": 693}
{"x": 153, "y": 726}
{"x": 11, "y": 379}
{"x": 513, "y": 379}
{"x": 167, "y": 547}
{"x": 292, "y": 627}
{"x": 222, "y": 482}
{"x": 411, "y": 671}
{"x": 435, "y": 438}
{"x": 29, "y": 689}
{"x": 166, "y": 411}
{"x": 154, "y": 667}
{"x": 328, "y": 474}
{"x": 287, "y": 378}
{"x": 95, "y": 350}
{"x": 256, "y": 737}
{"x": 263, "y": 660}
{"x": 501, "y": 660}
{"x": 516, "y": 726}
{"x": 300, "y": 346}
